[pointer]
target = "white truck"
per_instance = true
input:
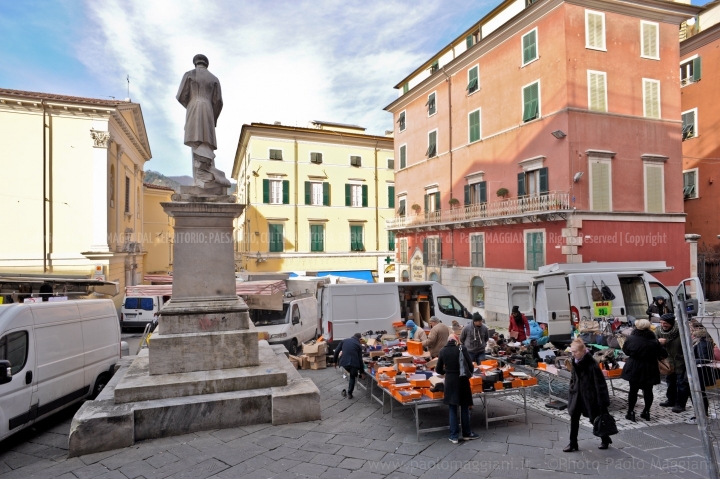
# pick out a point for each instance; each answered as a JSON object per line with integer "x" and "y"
{"x": 137, "y": 311}
{"x": 296, "y": 323}
{"x": 560, "y": 295}
{"x": 53, "y": 354}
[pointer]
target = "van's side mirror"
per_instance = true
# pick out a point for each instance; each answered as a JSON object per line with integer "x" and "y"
{"x": 5, "y": 372}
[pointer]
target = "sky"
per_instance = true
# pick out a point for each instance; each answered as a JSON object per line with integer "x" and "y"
{"x": 291, "y": 61}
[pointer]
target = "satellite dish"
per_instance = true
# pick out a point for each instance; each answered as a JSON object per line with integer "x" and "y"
{"x": 577, "y": 176}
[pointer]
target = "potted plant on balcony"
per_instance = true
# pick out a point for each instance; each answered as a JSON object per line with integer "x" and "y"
{"x": 454, "y": 202}
{"x": 503, "y": 192}
{"x": 416, "y": 208}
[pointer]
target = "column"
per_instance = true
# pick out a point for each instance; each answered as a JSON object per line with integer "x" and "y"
{"x": 101, "y": 138}
{"x": 693, "y": 240}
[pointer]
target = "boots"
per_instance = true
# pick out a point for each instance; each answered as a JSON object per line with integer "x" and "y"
{"x": 645, "y": 414}
{"x": 606, "y": 441}
{"x": 630, "y": 416}
{"x": 571, "y": 448}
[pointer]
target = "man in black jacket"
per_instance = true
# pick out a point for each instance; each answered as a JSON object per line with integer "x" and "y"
{"x": 350, "y": 352}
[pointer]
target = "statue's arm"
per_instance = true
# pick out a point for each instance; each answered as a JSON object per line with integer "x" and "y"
{"x": 183, "y": 94}
{"x": 217, "y": 102}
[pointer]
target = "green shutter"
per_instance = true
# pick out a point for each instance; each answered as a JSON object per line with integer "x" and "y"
{"x": 483, "y": 192}
{"x": 530, "y": 99}
{"x": 326, "y": 194}
{"x": 534, "y": 250}
{"x": 469, "y": 41}
{"x": 317, "y": 238}
{"x": 426, "y": 203}
{"x": 266, "y": 191}
{"x": 474, "y": 126}
{"x": 364, "y": 196}
{"x": 286, "y": 192}
{"x": 425, "y": 251}
{"x": 467, "y": 195}
{"x": 697, "y": 69}
{"x": 403, "y": 156}
{"x": 276, "y": 238}
{"x": 348, "y": 194}
{"x": 406, "y": 88}
{"x": 308, "y": 193}
{"x": 391, "y": 197}
{"x": 521, "y": 184}
{"x": 472, "y": 80}
{"x": 391, "y": 240}
{"x": 544, "y": 187}
{"x": 529, "y": 47}
{"x": 356, "y": 243}
{"x": 437, "y": 201}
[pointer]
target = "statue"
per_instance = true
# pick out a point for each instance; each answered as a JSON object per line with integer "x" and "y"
{"x": 200, "y": 94}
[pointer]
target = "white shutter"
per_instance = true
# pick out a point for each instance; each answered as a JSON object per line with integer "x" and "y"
{"x": 595, "y": 28}
{"x": 597, "y": 93}
{"x": 649, "y": 40}
{"x": 651, "y": 93}
{"x": 654, "y": 189}
{"x": 600, "y": 186}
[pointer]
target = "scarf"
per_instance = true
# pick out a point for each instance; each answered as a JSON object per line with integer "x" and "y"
{"x": 668, "y": 335}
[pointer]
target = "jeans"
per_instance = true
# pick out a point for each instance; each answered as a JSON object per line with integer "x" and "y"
{"x": 477, "y": 357}
{"x": 677, "y": 388}
{"x": 464, "y": 418}
{"x": 575, "y": 428}
{"x": 633, "y": 396}
{"x": 353, "y": 373}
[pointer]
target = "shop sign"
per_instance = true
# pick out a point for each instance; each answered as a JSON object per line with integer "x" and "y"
{"x": 602, "y": 308}
{"x": 417, "y": 268}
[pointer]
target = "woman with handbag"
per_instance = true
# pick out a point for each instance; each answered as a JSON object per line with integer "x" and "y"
{"x": 519, "y": 328}
{"x": 457, "y": 387}
{"x": 588, "y": 394}
{"x": 641, "y": 368}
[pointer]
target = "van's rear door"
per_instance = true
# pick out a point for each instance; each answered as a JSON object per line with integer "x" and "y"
{"x": 552, "y": 306}
{"x": 17, "y": 346}
{"x": 520, "y": 295}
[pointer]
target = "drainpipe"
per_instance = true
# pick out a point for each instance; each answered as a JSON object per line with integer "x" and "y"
{"x": 44, "y": 190}
{"x": 296, "y": 195}
{"x": 377, "y": 197}
{"x": 450, "y": 149}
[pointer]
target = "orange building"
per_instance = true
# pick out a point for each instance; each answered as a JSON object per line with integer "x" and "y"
{"x": 548, "y": 132}
{"x": 699, "y": 65}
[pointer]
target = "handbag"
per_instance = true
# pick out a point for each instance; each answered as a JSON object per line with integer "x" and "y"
{"x": 607, "y": 294}
{"x": 604, "y": 425}
{"x": 596, "y": 293}
{"x": 665, "y": 367}
{"x": 588, "y": 326}
{"x": 464, "y": 369}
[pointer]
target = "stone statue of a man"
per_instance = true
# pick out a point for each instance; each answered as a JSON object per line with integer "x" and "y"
{"x": 200, "y": 94}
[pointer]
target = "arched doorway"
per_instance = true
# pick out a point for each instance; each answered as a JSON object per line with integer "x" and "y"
{"x": 405, "y": 276}
{"x": 477, "y": 292}
{"x": 434, "y": 277}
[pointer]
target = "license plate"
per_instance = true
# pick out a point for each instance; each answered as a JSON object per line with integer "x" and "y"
{"x": 130, "y": 315}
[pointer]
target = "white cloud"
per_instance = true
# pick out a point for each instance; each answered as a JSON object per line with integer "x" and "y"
{"x": 289, "y": 61}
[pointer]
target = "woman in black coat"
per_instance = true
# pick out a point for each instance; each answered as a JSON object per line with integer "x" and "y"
{"x": 588, "y": 394}
{"x": 641, "y": 366}
{"x": 457, "y": 388}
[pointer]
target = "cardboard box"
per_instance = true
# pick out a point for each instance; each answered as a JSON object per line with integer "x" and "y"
{"x": 388, "y": 337}
{"x": 476, "y": 389}
{"x": 407, "y": 395}
{"x": 407, "y": 368}
{"x": 499, "y": 386}
{"x": 529, "y": 382}
{"x": 433, "y": 395}
{"x": 315, "y": 349}
{"x": 390, "y": 372}
{"x": 435, "y": 380}
{"x": 415, "y": 348}
{"x": 304, "y": 362}
{"x": 395, "y": 386}
{"x": 371, "y": 342}
{"x": 403, "y": 359}
{"x": 295, "y": 361}
{"x": 489, "y": 362}
{"x": 613, "y": 373}
{"x": 318, "y": 365}
{"x": 420, "y": 383}
{"x": 431, "y": 364}
{"x": 317, "y": 359}
{"x": 377, "y": 354}
{"x": 476, "y": 381}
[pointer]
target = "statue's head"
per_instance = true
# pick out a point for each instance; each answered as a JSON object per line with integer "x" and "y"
{"x": 201, "y": 59}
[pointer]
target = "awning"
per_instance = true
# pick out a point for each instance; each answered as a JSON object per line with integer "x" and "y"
{"x": 158, "y": 278}
{"x": 59, "y": 283}
{"x": 268, "y": 288}
{"x": 361, "y": 274}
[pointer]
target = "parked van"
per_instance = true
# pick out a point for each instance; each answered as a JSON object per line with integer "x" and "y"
{"x": 295, "y": 324}
{"x": 347, "y": 309}
{"x": 57, "y": 353}
{"x": 138, "y": 311}
{"x": 561, "y": 295}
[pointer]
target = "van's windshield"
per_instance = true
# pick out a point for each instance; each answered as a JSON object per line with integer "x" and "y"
{"x": 267, "y": 317}
{"x": 451, "y": 306}
{"x": 145, "y": 304}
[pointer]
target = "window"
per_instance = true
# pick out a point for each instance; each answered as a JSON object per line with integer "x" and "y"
{"x": 401, "y": 208}
{"x": 277, "y": 240}
{"x": 434, "y": 67}
{"x": 689, "y": 124}
{"x": 650, "y": 39}
{"x": 403, "y": 156}
{"x": 406, "y": 88}
{"x": 401, "y": 121}
{"x": 317, "y": 194}
{"x": 391, "y": 196}
{"x": 476, "y": 193}
{"x": 600, "y": 185}
{"x": 473, "y": 80}
{"x": 434, "y": 277}
{"x": 634, "y": 296}
{"x": 391, "y": 163}
{"x": 355, "y": 161}
{"x": 391, "y": 241}
{"x": 317, "y": 238}
{"x": 474, "y": 130}
{"x": 276, "y": 192}
{"x": 356, "y": 195}
{"x": 477, "y": 292}
{"x": 477, "y": 259}
{"x": 651, "y": 98}
{"x": 690, "y": 186}
{"x": 594, "y": 30}
{"x": 111, "y": 186}
{"x": 432, "y": 202}
{"x": 529, "y": 47}
{"x": 597, "y": 91}
{"x": 316, "y": 158}
{"x": 127, "y": 194}
{"x": 14, "y": 348}
{"x": 531, "y": 101}
{"x": 403, "y": 250}
{"x": 450, "y": 306}
{"x": 276, "y": 154}
{"x": 533, "y": 183}
{"x": 432, "y": 251}
{"x": 534, "y": 249}
{"x": 654, "y": 189}
{"x": 432, "y": 144}
{"x": 431, "y": 104}
{"x": 471, "y": 40}
{"x": 405, "y": 276}
{"x": 356, "y": 238}
{"x": 146, "y": 304}
{"x": 690, "y": 71}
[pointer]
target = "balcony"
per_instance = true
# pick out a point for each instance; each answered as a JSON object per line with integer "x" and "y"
{"x": 547, "y": 207}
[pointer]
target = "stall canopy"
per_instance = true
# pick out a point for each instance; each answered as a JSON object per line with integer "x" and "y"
{"x": 362, "y": 274}
{"x": 158, "y": 278}
{"x": 264, "y": 288}
{"x": 63, "y": 285}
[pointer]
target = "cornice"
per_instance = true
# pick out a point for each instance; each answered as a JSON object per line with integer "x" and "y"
{"x": 700, "y": 40}
{"x": 130, "y": 134}
{"x": 55, "y": 108}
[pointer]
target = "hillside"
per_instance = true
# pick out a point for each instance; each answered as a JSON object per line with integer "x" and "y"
{"x": 156, "y": 178}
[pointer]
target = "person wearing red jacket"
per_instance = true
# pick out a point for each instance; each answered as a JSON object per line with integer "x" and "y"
{"x": 519, "y": 326}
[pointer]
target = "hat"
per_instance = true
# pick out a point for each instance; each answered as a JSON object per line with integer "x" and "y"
{"x": 200, "y": 58}
{"x": 642, "y": 324}
{"x": 668, "y": 318}
{"x": 410, "y": 324}
{"x": 434, "y": 319}
{"x": 477, "y": 317}
{"x": 516, "y": 309}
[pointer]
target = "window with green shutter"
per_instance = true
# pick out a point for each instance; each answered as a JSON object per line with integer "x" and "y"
{"x": 403, "y": 157}
{"x": 531, "y": 102}
{"x": 356, "y": 238}
{"x": 276, "y": 154}
{"x": 401, "y": 208}
{"x": 529, "y": 47}
{"x": 430, "y": 104}
{"x": 316, "y": 157}
{"x": 286, "y": 192}
{"x": 690, "y": 184}
{"x": 276, "y": 238}
{"x": 317, "y": 238}
{"x": 391, "y": 196}
{"x": 364, "y": 196}
{"x": 401, "y": 121}
{"x": 476, "y": 251}
{"x": 406, "y": 88}
{"x": 391, "y": 240}
{"x": 432, "y": 144}
{"x": 535, "y": 250}
{"x": 469, "y": 41}
{"x": 326, "y": 194}
{"x": 689, "y": 124}
{"x": 690, "y": 71}
{"x": 474, "y": 125}
{"x": 473, "y": 80}
{"x": 266, "y": 190}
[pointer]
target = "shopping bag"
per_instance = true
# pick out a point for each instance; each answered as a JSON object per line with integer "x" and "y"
{"x": 588, "y": 326}
{"x": 464, "y": 369}
{"x": 596, "y": 293}
{"x": 604, "y": 425}
{"x": 665, "y": 367}
{"x": 607, "y": 294}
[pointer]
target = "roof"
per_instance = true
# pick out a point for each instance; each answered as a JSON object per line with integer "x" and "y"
{"x": 55, "y": 96}
{"x": 343, "y": 125}
{"x": 157, "y": 187}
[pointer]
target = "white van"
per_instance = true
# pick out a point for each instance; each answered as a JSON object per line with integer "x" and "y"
{"x": 295, "y": 324}
{"x": 57, "y": 353}
{"x": 561, "y": 294}
{"x": 347, "y": 309}
{"x": 137, "y": 311}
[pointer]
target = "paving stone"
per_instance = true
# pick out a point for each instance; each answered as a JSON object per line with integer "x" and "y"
{"x": 112, "y": 475}
{"x": 306, "y": 469}
{"x": 162, "y": 459}
{"x": 52, "y": 453}
{"x": 317, "y": 437}
{"x": 230, "y": 434}
{"x": 300, "y": 455}
{"x": 50, "y": 439}
{"x": 235, "y": 455}
{"x": 411, "y": 449}
{"x": 385, "y": 446}
{"x": 29, "y": 448}
{"x": 127, "y": 455}
{"x": 138, "y": 469}
{"x": 241, "y": 470}
{"x": 334, "y": 473}
{"x": 92, "y": 470}
{"x": 282, "y": 465}
{"x": 326, "y": 448}
{"x": 529, "y": 441}
{"x": 329, "y": 460}
{"x": 364, "y": 475}
{"x": 350, "y": 441}
{"x": 360, "y": 453}
{"x": 257, "y": 474}
{"x": 289, "y": 432}
{"x": 352, "y": 464}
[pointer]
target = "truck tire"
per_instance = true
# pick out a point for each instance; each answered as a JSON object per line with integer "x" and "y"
{"x": 293, "y": 347}
{"x": 100, "y": 384}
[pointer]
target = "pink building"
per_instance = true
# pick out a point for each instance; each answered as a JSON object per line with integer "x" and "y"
{"x": 549, "y": 132}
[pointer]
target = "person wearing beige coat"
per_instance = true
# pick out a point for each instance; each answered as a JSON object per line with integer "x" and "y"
{"x": 438, "y": 337}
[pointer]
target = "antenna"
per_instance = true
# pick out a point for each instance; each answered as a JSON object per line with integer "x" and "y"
{"x": 128, "y": 84}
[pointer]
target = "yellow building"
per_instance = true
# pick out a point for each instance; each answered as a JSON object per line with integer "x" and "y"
{"x": 317, "y": 199}
{"x": 158, "y": 229}
{"x": 71, "y": 196}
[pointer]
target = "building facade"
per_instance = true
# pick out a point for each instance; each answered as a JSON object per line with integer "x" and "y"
{"x": 72, "y": 189}
{"x": 317, "y": 200}
{"x": 549, "y": 132}
{"x": 157, "y": 230}
{"x": 699, "y": 67}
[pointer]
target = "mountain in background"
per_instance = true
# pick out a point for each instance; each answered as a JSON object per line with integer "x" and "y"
{"x": 184, "y": 180}
{"x": 156, "y": 178}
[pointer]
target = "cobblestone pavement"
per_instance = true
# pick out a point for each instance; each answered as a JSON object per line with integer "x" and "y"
{"x": 356, "y": 440}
